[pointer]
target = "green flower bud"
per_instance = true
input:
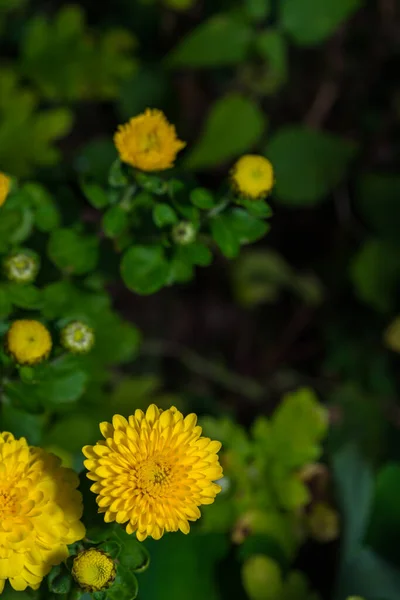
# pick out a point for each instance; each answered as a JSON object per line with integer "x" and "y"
{"x": 77, "y": 337}
{"x": 262, "y": 578}
{"x": 22, "y": 266}
{"x": 183, "y": 233}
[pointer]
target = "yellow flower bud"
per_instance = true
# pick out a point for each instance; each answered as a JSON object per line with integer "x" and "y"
{"x": 93, "y": 570}
{"x": 29, "y": 342}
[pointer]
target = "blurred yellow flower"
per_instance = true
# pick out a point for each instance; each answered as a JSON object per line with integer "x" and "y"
{"x": 391, "y": 336}
{"x": 148, "y": 142}
{"x": 252, "y": 176}
{"x": 29, "y": 342}
{"x": 93, "y": 570}
{"x": 40, "y": 511}
{"x": 5, "y": 183}
{"x": 153, "y": 471}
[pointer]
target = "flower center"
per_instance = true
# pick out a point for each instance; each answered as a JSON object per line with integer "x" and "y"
{"x": 150, "y": 142}
{"x": 8, "y": 502}
{"x": 153, "y": 473}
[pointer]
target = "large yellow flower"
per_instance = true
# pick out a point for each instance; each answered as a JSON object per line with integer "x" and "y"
{"x": 5, "y": 183}
{"x": 153, "y": 471}
{"x": 29, "y": 342}
{"x": 40, "y": 509}
{"x": 148, "y": 142}
{"x": 252, "y": 176}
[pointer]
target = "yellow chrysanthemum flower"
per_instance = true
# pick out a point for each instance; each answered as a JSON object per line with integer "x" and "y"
{"x": 93, "y": 570}
{"x": 29, "y": 342}
{"x": 252, "y": 176}
{"x": 153, "y": 471}
{"x": 148, "y": 142}
{"x": 40, "y": 511}
{"x": 5, "y": 184}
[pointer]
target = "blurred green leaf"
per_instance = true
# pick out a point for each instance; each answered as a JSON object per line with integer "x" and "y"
{"x": 163, "y": 215}
{"x": 310, "y": 22}
{"x": 384, "y": 524}
{"x": 198, "y": 557}
{"x": 308, "y": 164}
{"x": 144, "y": 269}
{"x": 258, "y": 10}
{"x": 354, "y": 485}
{"x": 95, "y": 194}
{"x": 115, "y": 221}
{"x": 219, "y": 41}
{"x": 72, "y": 252}
{"x": 224, "y": 236}
{"x": 25, "y": 296}
{"x": 233, "y": 126}
{"x": 272, "y": 47}
{"x": 202, "y": 198}
{"x": 378, "y": 202}
{"x": 374, "y": 272}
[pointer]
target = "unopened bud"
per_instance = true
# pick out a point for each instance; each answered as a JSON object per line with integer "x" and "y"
{"x": 183, "y": 233}
{"x": 22, "y": 266}
{"x": 77, "y": 337}
{"x": 93, "y": 570}
{"x": 323, "y": 523}
{"x": 262, "y": 578}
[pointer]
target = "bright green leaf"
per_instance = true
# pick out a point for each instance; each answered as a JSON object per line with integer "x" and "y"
{"x": 144, "y": 269}
{"x": 233, "y": 126}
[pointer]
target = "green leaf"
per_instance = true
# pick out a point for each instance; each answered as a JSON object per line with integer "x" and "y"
{"x": 298, "y": 426}
{"x": 310, "y": 22}
{"x": 59, "y": 580}
{"x": 134, "y": 556}
{"x": 198, "y": 556}
{"x": 258, "y": 10}
{"x": 262, "y": 578}
{"x": 368, "y": 575}
{"x": 95, "y": 194}
{"x": 378, "y": 203}
{"x": 257, "y": 208}
{"x": 164, "y": 214}
{"x": 354, "y": 485}
{"x": 115, "y": 221}
{"x": 272, "y": 47}
{"x": 245, "y": 226}
{"x": 47, "y": 215}
{"x": 5, "y": 302}
{"x": 384, "y": 523}
{"x": 224, "y": 236}
{"x": 116, "y": 175}
{"x": 308, "y": 164}
{"x": 374, "y": 272}
{"x": 202, "y": 198}
{"x": 198, "y": 254}
{"x": 144, "y": 269}
{"x": 25, "y": 296}
{"x": 23, "y": 424}
{"x": 219, "y": 41}
{"x": 125, "y": 586}
{"x": 233, "y": 126}
{"x": 72, "y": 252}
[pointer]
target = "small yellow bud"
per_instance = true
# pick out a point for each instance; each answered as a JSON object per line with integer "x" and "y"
{"x": 93, "y": 570}
{"x": 77, "y": 337}
{"x": 28, "y": 342}
{"x": 323, "y": 523}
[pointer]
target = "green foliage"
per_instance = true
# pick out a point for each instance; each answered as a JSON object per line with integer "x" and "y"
{"x": 22, "y": 120}
{"x": 311, "y": 21}
{"x": 233, "y": 126}
{"x": 308, "y": 164}
{"x": 91, "y": 68}
{"x": 222, "y": 40}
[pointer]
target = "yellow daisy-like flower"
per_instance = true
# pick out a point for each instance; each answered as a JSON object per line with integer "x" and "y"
{"x": 148, "y": 142}
{"x": 252, "y": 176}
{"x": 40, "y": 511}
{"x": 29, "y": 342}
{"x": 93, "y": 570}
{"x": 153, "y": 471}
{"x": 5, "y": 184}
